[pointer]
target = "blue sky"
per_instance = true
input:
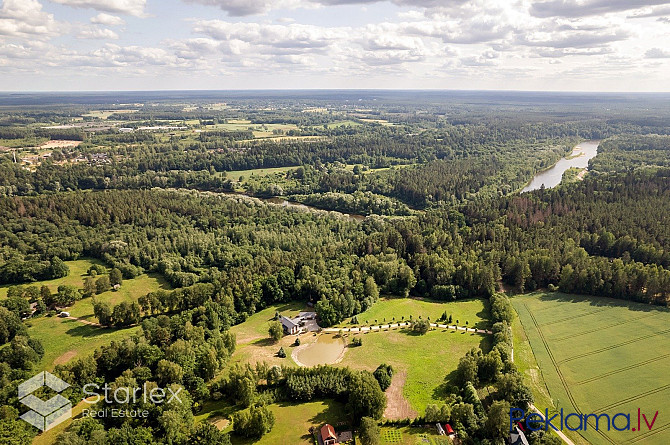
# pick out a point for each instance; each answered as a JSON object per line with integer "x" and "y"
{"x": 578, "y": 45}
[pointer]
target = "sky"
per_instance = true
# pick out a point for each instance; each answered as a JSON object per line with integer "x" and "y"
{"x": 551, "y": 45}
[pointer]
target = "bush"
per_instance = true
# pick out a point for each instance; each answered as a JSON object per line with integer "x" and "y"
{"x": 421, "y": 326}
{"x": 281, "y": 353}
{"x": 356, "y": 341}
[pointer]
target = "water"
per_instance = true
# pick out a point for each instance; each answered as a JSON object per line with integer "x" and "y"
{"x": 579, "y": 158}
{"x": 324, "y": 351}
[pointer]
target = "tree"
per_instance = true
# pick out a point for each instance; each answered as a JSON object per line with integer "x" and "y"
{"x": 89, "y": 287}
{"x": 366, "y": 397}
{"x": 15, "y": 432}
{"x": 103, "y": 312}
{"x": 497, "y": 422}
{"x": 254, "y": 422}
{"x": 326, "y": 313}
{"x": 276, "y": 331}
{"x": 512, "y": 389}
{"x": 58, "y": 268}
{"x": 383, "y": 374}
{"x": 102, "y": 284}
{"x": 67, "y": 295}
{"x": 435, "y": 413}
{"x": 467, "y": 370}
{"x": 281, "y": 353}
{"x": 115, "y": 277}
{"x": 421, "y": 326}
{"x": 126, "y": 314}
{"x": 207, "y": 434}
{"x": 369, "y": 431}
{"x": 17, "y": 305}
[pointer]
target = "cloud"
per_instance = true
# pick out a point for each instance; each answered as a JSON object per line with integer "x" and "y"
{"x": 572, "y": 39}
{"x": 129, "y": 7}
{"x": 97, "y": 33}
{"x": 107, "y": 19}
{"x": 282, "y": 39}
{"x": 25, "y": 18}
{"x": 657, "y": 53}
{"x": 241, "y": 8}
{"x": 574, "y": 8}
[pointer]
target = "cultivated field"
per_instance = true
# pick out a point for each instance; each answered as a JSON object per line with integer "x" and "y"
{"x": 599, "y": 355}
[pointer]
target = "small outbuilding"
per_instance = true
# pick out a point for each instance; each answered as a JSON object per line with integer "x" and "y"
{"x": 328, "y": 436}
{"x": 449, "y": 430}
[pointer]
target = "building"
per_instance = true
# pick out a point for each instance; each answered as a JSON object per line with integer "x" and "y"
{"x": 328, "y": 436}
{"x": 440, "y": 430}
{"x": 449, "y": 430}
{"x": 517, "y": 437}
{"x": 290, "y": 326}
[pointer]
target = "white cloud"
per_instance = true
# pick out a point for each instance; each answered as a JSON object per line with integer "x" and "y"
{"x": 97, "y": 33}
{"x": 657, "y": 53}
{"x": 23, "y": 18}
{"x": 129, "y": 7}
{"x": 107, "y": 19}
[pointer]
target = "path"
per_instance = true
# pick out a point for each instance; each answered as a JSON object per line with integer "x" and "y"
{"x": 405, "y": 324}
{"x": 398, "y": 407}
{"x": 559, "y": 432}
{"x": 90, "y": 323}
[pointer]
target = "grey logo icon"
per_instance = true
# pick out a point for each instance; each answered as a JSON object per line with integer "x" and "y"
{"x": 45, "y": 414}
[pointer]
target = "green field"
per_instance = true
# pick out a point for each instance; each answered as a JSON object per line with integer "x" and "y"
{"x": 475, "y": 312}
{"x": 425, "y": 360}
{"x": 65, "y": 339}
{"x": 292, "y": 421}
{"x": 599, "y": 355}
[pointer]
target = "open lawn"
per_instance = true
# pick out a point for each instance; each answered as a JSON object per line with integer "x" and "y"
{"x": 427, "y": 359}
{"x": 599, "y": 355}
{"x": 129, "y": 291}
{"x": 475, "y": 312}
{"x": 76, "y": 276}
{"x": 292, "y": 421}
{"x": 65, "y": 339}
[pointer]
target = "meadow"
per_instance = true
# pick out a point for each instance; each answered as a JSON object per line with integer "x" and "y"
{"x": 474, "y": 311}
{"x": 599, "y": 355}
{"x": 64, "y": 339}
{"x": 292, "y": 421}
{"x": 414, "y": 357}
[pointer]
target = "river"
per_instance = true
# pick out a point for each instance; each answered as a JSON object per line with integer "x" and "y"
{"x": 580, "y": 157}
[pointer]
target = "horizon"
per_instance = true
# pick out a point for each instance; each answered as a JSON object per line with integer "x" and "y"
{"x": 553, "y": 45}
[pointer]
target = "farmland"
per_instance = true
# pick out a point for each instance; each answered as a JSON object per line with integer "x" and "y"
{"x": 591, "y": 350}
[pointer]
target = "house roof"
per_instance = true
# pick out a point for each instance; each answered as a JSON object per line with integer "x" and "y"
{"x": 449, "y": 429}
{"x": 288, "y": 322}
{"x": 328, "y": 432}
{"x": 517, "y": 437}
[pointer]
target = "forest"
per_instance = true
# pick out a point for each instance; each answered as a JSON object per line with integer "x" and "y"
{"x": 436, "y": 185}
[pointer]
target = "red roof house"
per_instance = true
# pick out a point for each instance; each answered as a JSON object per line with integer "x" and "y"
{"x": 328, "y": 435}
{"x": 449, "y": 430}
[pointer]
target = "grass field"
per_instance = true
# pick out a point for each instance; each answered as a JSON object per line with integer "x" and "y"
{"x": 65, "y": 339}
{"x": 76, "y": 276}
{"x": 427, "y": 359}
{"x": 475, "y": 312}
{"x": 292, "y": 421}
{"x": 599, "y": 355}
